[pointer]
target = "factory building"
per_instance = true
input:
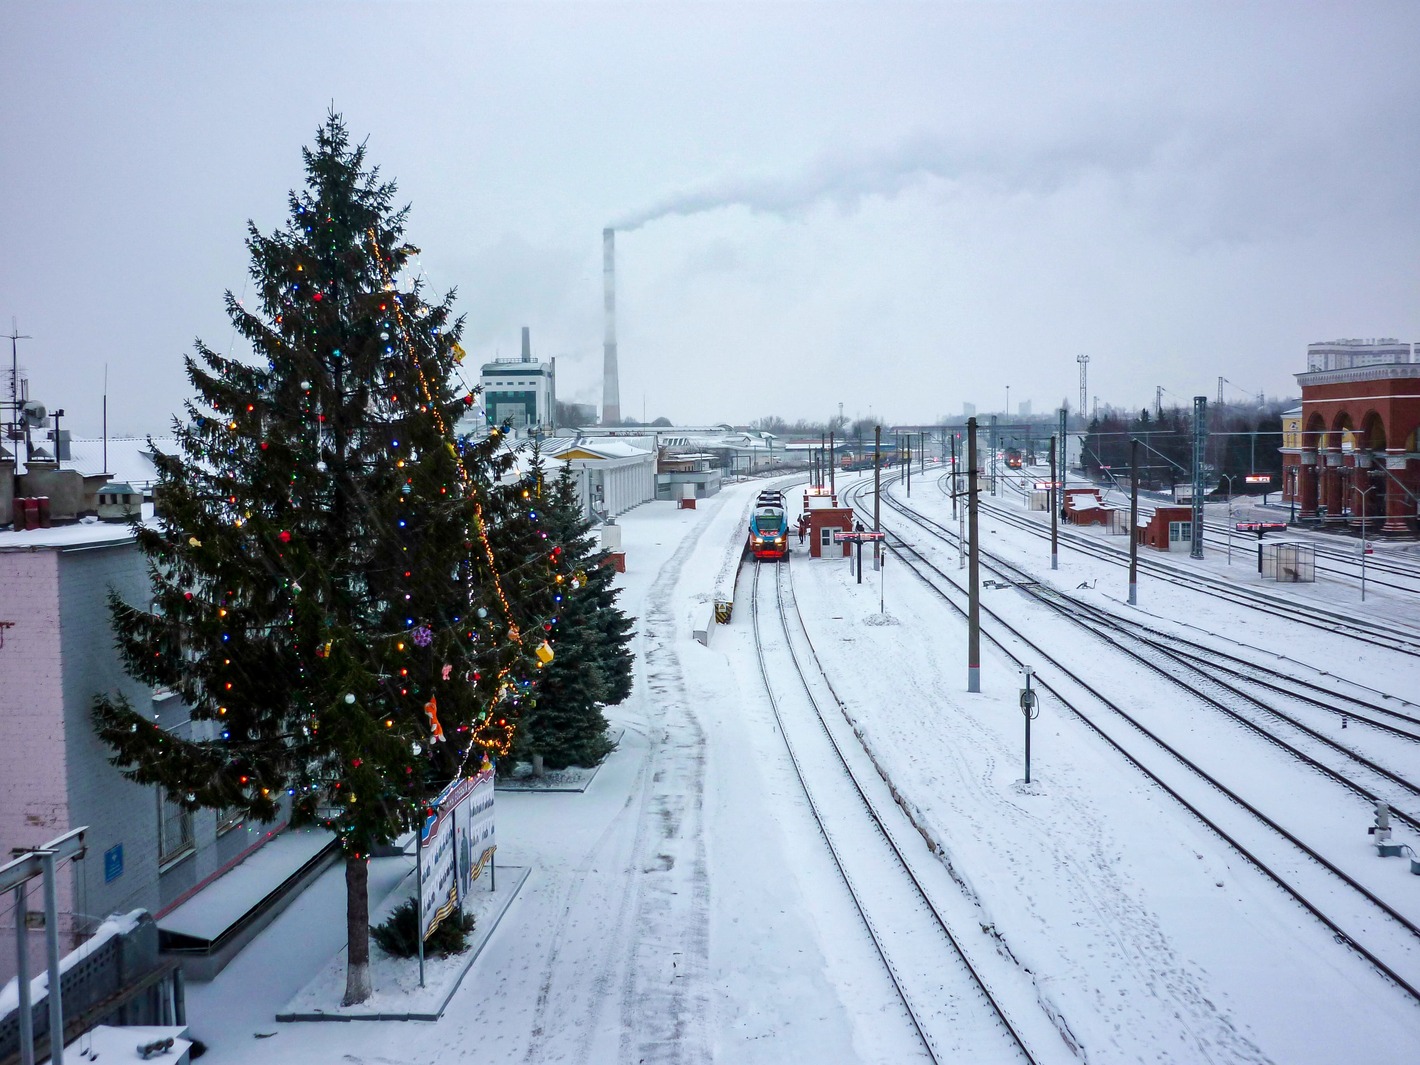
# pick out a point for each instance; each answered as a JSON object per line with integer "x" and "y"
{"x": 521, "y": 392}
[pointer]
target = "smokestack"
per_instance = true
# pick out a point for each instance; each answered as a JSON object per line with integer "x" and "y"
{"x": 527, "y": 345}
{"x": 611, "y": 388}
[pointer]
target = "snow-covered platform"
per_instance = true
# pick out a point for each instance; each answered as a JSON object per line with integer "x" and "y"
{"x": 397, "y": 995}
{"x": 573, "y": 778}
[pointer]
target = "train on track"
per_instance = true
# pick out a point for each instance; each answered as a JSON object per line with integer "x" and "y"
{"x": 769, "y": 527}
{"x": 865, "y": 462}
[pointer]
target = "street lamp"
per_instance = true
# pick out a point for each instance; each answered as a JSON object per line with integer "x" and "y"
{"x": 1364, "y": 493}
{"x": 1229, "y": 478}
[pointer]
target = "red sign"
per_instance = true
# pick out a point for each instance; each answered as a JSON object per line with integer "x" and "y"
{"x": 850, "y": 537}
{"x": 1258, "y": 478}
{"x": 1045, "y": 486}
{"x": 1259, "y": 526}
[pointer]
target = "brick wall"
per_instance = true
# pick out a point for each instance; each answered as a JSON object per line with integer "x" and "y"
{"x": 34, "y": 804}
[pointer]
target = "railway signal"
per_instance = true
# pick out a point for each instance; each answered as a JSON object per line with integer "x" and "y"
{"x": 1381, "y": 829}
{"x": 1030, "y": 708}
{"x": 859, "y": 537}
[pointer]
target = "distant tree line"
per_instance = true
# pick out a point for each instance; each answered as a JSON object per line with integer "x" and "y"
{"x": 1241, "y": 440}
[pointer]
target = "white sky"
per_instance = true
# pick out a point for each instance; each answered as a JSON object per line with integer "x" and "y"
{"x": 894, "y": 207}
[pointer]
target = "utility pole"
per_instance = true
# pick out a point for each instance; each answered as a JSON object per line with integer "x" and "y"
{"x": 1159, "y": 402}
{"x": 1054, "y": 513}
{"x": 877, "y": 494}
{"x": 1134, "y": 522}
{"x": 1200, "y": 442}
{"x": 993, "y": 464}
{"x": 956, "y": 477}
{"x": 832, "y": 472}
{"x": 973, "y": 581}
{"x": 1084, "y": 361}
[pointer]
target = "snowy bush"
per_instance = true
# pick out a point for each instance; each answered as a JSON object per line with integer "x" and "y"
{"x": 399, "y": 935}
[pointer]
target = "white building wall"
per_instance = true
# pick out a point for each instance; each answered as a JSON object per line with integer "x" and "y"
{"x": 54, "y": 770}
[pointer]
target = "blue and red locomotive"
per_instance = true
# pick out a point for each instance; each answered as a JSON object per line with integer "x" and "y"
{"x": 769, "y": 527}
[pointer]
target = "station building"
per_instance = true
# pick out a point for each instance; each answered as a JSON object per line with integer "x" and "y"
{"x": 1356, "y": 456}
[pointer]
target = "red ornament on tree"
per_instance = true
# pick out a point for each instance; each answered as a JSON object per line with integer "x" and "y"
{"x": 284, "y": 536}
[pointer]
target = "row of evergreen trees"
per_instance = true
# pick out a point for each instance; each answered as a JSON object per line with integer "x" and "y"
{"x": 1240, "y": 441}
{"x": 356, "y": 604}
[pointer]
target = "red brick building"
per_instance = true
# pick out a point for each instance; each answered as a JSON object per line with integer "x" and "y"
{"x": 1170, "y": 529}
{"x": 1085, "y": 506}
{"x": 1358, "y": 452}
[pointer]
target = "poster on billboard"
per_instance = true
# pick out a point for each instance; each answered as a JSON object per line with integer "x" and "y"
{"x": 454, "y": 843}
{"x": 479, "y": 844}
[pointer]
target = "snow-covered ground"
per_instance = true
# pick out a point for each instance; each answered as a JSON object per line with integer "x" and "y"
{"x": 684, "y": 907}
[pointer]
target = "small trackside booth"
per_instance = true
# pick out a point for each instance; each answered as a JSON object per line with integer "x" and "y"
{"x": 826, "y": 524}
{"x": 1170, "y": 529}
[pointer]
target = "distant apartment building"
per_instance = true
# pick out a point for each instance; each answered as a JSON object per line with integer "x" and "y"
{"x": 1351, "y": 354}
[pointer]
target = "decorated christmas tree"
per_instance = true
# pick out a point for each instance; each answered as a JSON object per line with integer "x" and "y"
{"x": 593, "y": 662}
{"x": 326, "y": 596}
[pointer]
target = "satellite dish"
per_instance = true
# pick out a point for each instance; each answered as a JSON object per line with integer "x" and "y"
{"x": 36, "y": 417}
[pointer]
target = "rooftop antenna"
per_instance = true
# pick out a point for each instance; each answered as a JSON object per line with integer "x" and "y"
{"x": 105, "y": 419}
{"x": 15, "y": 337}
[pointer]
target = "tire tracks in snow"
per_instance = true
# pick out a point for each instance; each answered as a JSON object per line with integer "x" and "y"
{"x": 665, "y": 993}
{"x": 650, "y": 962}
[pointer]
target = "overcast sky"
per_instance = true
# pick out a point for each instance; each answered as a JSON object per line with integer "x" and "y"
{"x": 895, "y": 207}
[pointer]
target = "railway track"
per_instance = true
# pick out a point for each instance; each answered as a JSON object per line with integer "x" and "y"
{"x": 1356, "y": 906}
{"x": 1341, "y": 558}
{"x": 950, "y": 1007}
{"x": 1388, "y": 634}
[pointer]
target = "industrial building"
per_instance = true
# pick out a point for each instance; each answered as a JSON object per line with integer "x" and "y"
{"x": 520, "y": 393}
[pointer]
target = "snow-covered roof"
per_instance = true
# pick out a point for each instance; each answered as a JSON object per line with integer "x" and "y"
{"x": 602, "y": 448}
{"x": 87, "y": 532}
{"x": 129, "y": 458}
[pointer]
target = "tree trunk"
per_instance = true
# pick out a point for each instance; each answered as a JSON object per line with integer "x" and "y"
{"x": 357, "y": 930}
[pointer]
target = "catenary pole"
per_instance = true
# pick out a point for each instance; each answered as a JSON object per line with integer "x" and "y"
{"x": 973, "y": 623}
{"x": 1200, "y": 441}
{"x": 1054, "y": 513}
{"x": 1134, "y": 523}
{"x": 877, "y": 493}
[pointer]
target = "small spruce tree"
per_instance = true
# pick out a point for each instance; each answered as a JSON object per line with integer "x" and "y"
{"x": 591, "y": 637}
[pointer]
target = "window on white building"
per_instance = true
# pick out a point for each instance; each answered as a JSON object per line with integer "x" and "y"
{"x": 175, "y": 838}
